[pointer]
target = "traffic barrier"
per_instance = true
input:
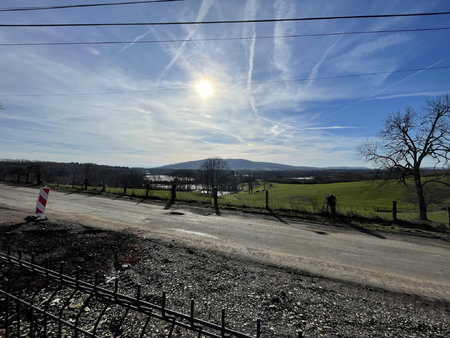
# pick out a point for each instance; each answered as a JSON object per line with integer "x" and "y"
{"x": 42, "y": 202}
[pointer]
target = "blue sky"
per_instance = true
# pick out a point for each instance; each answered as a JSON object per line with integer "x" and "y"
{"x": 137, "y": 104}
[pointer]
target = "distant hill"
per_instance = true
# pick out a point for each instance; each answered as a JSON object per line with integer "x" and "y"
{"x": 238, "y": 164}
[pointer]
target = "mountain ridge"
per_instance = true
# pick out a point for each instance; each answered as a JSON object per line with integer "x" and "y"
{"x": 242, "y": 164}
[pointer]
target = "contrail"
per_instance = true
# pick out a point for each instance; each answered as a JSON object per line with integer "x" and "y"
{"x": 204, "y": 8}
{"x": 134, "y": 41}
{"x": 315, "y": 69}
{"x": 383, "y": 89}
{"x": 250, "y": 62}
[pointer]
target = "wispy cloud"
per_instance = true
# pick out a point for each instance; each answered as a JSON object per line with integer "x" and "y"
{"x": 204, "y": 8}
{"x": 250, "y": 13}
{"x": 316, "y": 67}
{"x": 377, "y": 45}
{"x": 256, "y": 111}
{"x": 413, "y": 94}
{"x": 384, "y": 88}
{"x": 281, "y": 49}
{"x": 135, "y": 40}
{"x": 407, "y": 77}
{"x": 328, "y": 128}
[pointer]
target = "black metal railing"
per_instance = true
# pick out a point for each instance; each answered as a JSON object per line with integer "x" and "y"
{"x": 36, "y": 301}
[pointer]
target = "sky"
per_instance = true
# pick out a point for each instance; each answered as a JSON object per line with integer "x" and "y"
{"x": 272, "y": 97}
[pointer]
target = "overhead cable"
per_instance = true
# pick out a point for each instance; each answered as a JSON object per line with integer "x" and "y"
{"x": 355, "y": 75}
{"x": 222, "y": 39}
{"x": 239, "y": 84}
{"x": 172, "y": 23}
{"x": 41, "y": 8}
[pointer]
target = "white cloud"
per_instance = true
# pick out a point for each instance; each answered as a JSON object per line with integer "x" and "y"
{"x": 377, "y": 45}
{"x": 281, "y": 49}
{"x": 328, "y": 128}
{"x": 250, "y": 13}
{"x": 136, "y": 39}
{"x": 93, "y": 51}
{"x": 178, "y": 52}
{"x": 316, "y": 67}
{"x": 413, "y": 94}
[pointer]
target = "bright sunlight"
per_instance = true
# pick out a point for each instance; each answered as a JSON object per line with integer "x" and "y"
{"x": 204, "y": 88}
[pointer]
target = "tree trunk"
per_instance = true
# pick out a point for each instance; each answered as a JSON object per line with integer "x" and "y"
{"x": 420, "y": 198}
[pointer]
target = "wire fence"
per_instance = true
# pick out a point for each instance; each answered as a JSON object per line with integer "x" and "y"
{"x": 38, "y": 302}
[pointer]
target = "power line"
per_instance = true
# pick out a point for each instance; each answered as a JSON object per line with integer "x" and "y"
{"x": 357, "y": 75}
{"x": 222, "y": 39}
{"x": 239, "y": 84}
{"x": 171, "y": 23}
{"x": 20, "y": 9}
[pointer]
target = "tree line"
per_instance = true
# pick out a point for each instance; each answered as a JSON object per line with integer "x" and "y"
{"x": 213, "y": 173}
{"x": 74, "y": 173}
{"x": 94, "y": 175}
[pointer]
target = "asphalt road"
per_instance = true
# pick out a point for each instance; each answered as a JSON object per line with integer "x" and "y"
{"x": 395, "y": 262}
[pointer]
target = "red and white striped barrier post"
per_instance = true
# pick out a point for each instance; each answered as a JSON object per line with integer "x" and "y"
{"x": 42, "y": 202}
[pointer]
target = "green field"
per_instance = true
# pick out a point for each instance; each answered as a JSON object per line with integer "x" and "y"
{"x": 369, "y": 199}
{"x": 366, "y": 198}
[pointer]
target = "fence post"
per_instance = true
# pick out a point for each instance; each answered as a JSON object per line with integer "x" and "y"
{"x": 103, "y": 186}
{"x": 216, "y": 204}
{"x": 125, "y": 189}
{"x": 85, "y": 183}
{"x": 267, "y": 199}
{"x": 394, "y": 210}
{"x": 146, "y": 190}
{"x": 173, "y": 194}
{"x": 448, "y": 210}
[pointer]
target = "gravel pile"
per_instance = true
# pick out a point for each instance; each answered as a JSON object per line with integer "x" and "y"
{"x": 286, "y": 301}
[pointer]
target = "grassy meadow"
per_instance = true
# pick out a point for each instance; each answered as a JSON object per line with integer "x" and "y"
{"x": 365, "y": 198}
{"x": 371, "y": 199}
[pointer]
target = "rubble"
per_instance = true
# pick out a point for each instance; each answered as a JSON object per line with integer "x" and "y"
{"x": 287, "y": 301}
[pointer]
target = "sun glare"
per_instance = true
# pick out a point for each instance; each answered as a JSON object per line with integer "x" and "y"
{"x": 204, "y": 88}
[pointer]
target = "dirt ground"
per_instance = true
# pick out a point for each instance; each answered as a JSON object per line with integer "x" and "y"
{"x": 287, "y": 301}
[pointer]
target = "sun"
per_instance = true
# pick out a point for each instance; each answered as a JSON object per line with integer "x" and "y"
{"x": 204, "y": 88}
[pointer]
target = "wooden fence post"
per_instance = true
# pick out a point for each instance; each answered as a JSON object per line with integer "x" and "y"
{"x": 146, "y": 190}
{"x": 173, "y": 194}
{"x": 216, "y": 204}
{"x": 267, "y": 199}
{"x": 125, "y": 189}
{"x": 448, "y": 210}
{"x": 85, "y": 183}
{"x": 103, "y": 186}
{"x": 394, "y": 210}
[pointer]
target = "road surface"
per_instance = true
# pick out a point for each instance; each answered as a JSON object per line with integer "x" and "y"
{"x": 394, "y": 262}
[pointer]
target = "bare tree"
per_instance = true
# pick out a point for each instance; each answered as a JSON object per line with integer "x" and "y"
{"x": 213, "y": 173}
{"x": 408, "y": 139}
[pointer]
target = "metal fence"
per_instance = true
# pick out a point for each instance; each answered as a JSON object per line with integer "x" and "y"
{"x": 39, "y": 302}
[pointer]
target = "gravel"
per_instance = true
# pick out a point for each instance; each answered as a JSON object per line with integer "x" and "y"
{"x": 287, "y": 301}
